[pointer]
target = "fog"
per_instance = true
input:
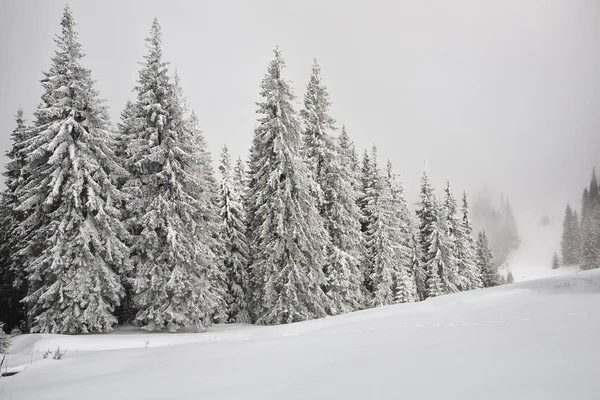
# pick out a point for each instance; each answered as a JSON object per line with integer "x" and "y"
{"x": 503, "y": 94}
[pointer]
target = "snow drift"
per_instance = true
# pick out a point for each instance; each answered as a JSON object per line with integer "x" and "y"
{"x": 530, "y": 340}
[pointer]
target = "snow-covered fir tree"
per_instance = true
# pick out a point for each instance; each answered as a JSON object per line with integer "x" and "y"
{"x": 13, "y": 285}
{"x": 590, "y": 226}
{"x": 288, "y": 238}
{"x": 509, "y": 277}
{"x": 489, "y": 273}
{"x": 76, "y": 250}
{"x": 576, "y": 233}
{"x": 233, "y": 237}
{"x": 455, "y": 274}
{"x": 569, "y": 243}
{"x": 434, "y": 245}
{"x": 172, "y": 215}
{"x": 382, "y": 237}
{"x": 348, "y": 151}
{"x": 337, "y": 206}
{"x": 555, "y": 261}
{"x": 401, "y": 223}
{"x": 239, "y": 176}
{"x": 465, "y": 250}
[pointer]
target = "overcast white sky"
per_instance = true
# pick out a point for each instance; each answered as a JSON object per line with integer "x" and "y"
{"x": 498, "y": 93}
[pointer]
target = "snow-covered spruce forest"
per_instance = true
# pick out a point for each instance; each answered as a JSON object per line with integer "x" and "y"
{"x": 131, "y": 224}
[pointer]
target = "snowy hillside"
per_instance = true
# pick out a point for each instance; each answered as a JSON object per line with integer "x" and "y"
{"x": 530, "y": 340}
{"x": 533, "y": 259}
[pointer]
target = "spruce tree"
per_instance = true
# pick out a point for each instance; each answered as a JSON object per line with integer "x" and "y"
{"x": 351, "y": 161}
{"x": 401, "y": 227}
{"x": 288, "y": 239}
{"x": 576, "y": 237}
{"x": 239, "y": 177}
{"x": 555, "y": 261}
{"x": 433, "y": 240}
{"x": 468, "y": 269}
{"x": 417, "y": 270}
{"x": 509, "y": 277}
{"x": 569, "y": 239}
{"x": 172, "y": 212}
{"x": 235, "y": 245}
{"x": 13, "y": 285}
{"x": 337, "y": 198}
{"x": 489, "y": 273}
{"x": 76, "y": 251}
{"x": 383, "y": 238}
{"x": 455, "y": 274}
{"x": 590, "y": 226}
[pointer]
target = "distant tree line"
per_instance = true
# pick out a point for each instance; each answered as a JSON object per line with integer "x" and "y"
{"x": 104, "y": 226}
{"x": 580, "y": 242}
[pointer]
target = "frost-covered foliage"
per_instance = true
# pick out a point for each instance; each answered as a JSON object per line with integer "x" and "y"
{"x": 233, "y": 238}
{"x": 465, "y": 250}
{"x": 590, "y": 226}
{"x": 404, "y": 277}
{"x": 570, "y": 237}
{"x": 330, "y": 165}
{"x": 288, "y": 239}
{"x": 172, "y": 212}
{"x": 13, "y": 285}
{"x": 75, "y": 249}
{"x": 383, "y": 235}
{"x": 489, "y": 273}
{"x": 454, "y": 281}
{"x": 555, "y": 261}
{"x": 4, "y": 339}
{"x": 434, "y": 245}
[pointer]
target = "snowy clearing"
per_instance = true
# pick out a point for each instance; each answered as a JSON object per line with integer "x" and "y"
{"x": 530, "y": 340}
{"x": 533, "y": 259}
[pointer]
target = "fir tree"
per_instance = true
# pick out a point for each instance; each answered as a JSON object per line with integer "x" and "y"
{"x": 239, "y": 176}
{"x": 382, "y": 237}
{"x": 489, "y": 273}
{"x": 234, "y": 241}
{"x": 434, "y": 244}
{"x": 555, "y": 261}
{"x": 454, "y": 276}
{"x": 590, "y": 226}
{"x": 76, "y": 250}
{"x": 569, "y": 238}
{"x": 576, "y": 236}
{"x": 417, "y": 270}
{"x": 509, "y": 277}
{"x": 468, "y": 269}
{"x": 172, "y": 214}
{"x": 401, "y": 228}
{"x": 288, "y": 239}
{"x": 337, "y": 198}
{"x": 351, "y": 161}
{"x": 13, "y": 287}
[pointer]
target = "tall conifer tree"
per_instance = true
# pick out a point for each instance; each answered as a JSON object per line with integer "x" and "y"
{"x": 76, "y": 249}
{"x": 172, "y": 214}
{"x": 288, "y": 239}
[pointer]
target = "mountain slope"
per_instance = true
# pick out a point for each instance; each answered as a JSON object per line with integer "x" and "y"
{"x": 530, "y": 340}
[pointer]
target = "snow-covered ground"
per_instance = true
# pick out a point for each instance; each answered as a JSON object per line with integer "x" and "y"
{"x": 533, "y": 259}
{"x": 530, "y": 340}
